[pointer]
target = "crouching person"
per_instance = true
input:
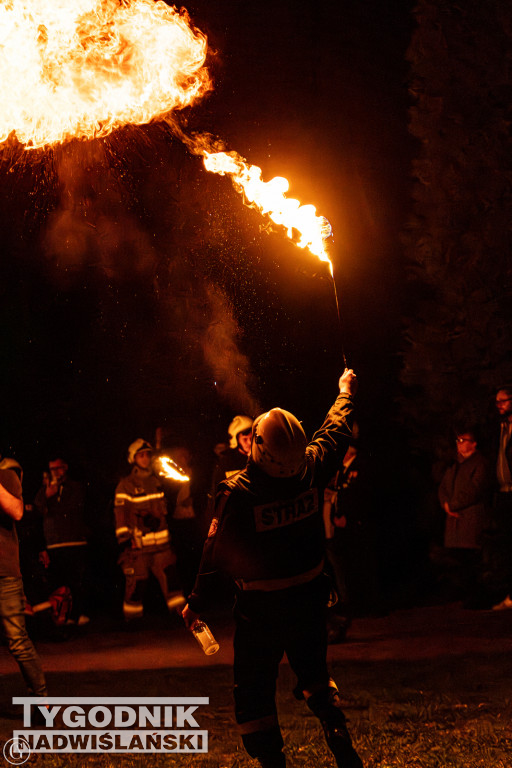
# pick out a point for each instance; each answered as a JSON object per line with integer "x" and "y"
{"x": 267, "y": 535}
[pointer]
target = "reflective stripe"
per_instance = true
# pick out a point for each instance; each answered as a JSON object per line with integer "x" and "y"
{"x": 152, "y": 539}
{"x": 139, "y": 499}
{"x": 317, "y": 688}
{"x": 133, "y": 609}
{"x": 67, "y": 544}
{"x": 175, "y": 602}
{"x": 272, "y": 585}
{"x": 261, "y": 724}
{"x": 41, "y": 607}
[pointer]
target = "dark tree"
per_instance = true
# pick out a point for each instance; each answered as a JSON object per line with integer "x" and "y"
{"x": 458, "y": 336}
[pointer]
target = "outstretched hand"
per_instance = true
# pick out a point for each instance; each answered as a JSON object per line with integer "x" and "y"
{"x": 348, "y": 382}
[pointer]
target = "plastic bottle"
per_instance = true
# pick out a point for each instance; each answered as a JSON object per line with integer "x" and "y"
{"x": 204, "y": 637}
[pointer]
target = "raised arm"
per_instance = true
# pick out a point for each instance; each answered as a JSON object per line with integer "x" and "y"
{"x": 331, "y": 441}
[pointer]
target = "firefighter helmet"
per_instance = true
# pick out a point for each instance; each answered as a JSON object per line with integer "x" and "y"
{"x": 135, "y": 447}
{"x": 279, "y": 443}
{"x": 239, "y": 424}
{"x": 12, "y": 464}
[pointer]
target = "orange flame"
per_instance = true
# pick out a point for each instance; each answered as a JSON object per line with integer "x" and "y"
{"x": 303, "y": 225}
{"x": 170, "y": 469}
{"x": 80, "y": 68}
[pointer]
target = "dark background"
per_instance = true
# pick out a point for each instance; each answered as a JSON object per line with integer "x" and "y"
{"x": 137, "y": 291}
{"x": 108, "y": 245}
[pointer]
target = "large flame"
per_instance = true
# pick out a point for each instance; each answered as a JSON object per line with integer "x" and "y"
{"x": 80, "y": 68}
{"x": 84, "y": 67}
{"x": 302, "y": 224}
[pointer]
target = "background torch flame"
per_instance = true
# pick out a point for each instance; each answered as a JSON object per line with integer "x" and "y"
{"x": 169, "y": 469}
{"x": 80, "y": 68}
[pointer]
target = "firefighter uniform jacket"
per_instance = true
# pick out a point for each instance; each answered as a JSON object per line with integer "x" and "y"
{"x": 140, "y": 512}
{"x": 267, "y": 533}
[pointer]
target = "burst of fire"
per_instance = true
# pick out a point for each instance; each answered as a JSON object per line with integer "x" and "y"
{"x": 169, "y": 469}
{"x": 302, "y": 224}
{"x": 80, "y": 68}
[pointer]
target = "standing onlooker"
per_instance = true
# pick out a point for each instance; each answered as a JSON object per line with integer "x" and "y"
{"x": 464, "y": 497}
{"x": 232, "y": 458}
{"x": 501, "y": 556}
{"x": 142, "y": 533}
{"x": 60, "y": 502}
{"x": 12, "y": 598}
{"x": 184, "y": 520}
{"x": 350, "y": 542}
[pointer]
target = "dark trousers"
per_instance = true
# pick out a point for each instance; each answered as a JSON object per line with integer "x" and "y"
{"x": 12, "y": 620}
{"x": 138, "y": 565}
{"x": 268, "y": 625}
{"x": 497, "y": 548}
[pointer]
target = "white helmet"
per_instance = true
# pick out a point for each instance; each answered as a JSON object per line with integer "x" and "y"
{"x": 239, "y": 424}
{"x": 279, "y": 443}
{"x": 12, "y": 464}
{"x": 135, "y": 447}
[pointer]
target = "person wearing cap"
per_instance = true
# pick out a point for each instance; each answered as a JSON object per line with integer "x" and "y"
{"x": 268, "y": 536}
{"x": 142, "y": 533}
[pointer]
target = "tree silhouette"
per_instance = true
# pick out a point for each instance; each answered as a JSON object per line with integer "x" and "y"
{"x": 458, "y": 335}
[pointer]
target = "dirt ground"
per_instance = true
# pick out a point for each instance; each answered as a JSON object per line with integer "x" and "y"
{"x": 162, "y": 659}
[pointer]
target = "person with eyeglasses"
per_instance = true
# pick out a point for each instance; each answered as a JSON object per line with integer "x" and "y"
{"x": 502, "y": 511}
{"x": 464, "y": 496}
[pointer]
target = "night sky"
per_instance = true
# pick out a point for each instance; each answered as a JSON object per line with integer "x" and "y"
{"x": 136, "y": 289}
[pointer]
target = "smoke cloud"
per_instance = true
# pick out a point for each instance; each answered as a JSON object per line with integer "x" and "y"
{"x": 230, "y": 366}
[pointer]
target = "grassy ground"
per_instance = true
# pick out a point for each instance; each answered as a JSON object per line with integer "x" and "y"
{"x": 447, "y": 713}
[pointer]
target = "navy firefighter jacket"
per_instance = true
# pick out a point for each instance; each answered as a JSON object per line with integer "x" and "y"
{"x": 267, "y": 533}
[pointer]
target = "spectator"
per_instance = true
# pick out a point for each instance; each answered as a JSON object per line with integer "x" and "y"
{"x": 12, "y": 598}
{"x": 350, "y": 542}
{"x": 143, "y": 535}
{"x": 464, "y": 497}
{"x": 60, "y": 503}
{"x": 184, "y": 522}
{"x": 231, "y": 458}
{"x": 501, "y": 559}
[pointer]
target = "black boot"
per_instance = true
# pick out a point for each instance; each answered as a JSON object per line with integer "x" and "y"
{"x": 325, "y": 704}
{"x": 340, "y": 744}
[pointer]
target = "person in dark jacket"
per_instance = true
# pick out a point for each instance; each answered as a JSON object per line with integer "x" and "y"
{"x": 267, "y": 534}
{"x": 61, "y": 505}
{"x": 464, "y": 496}
{"x": 500, "y": 558}
{"x": 230, "y": 458}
